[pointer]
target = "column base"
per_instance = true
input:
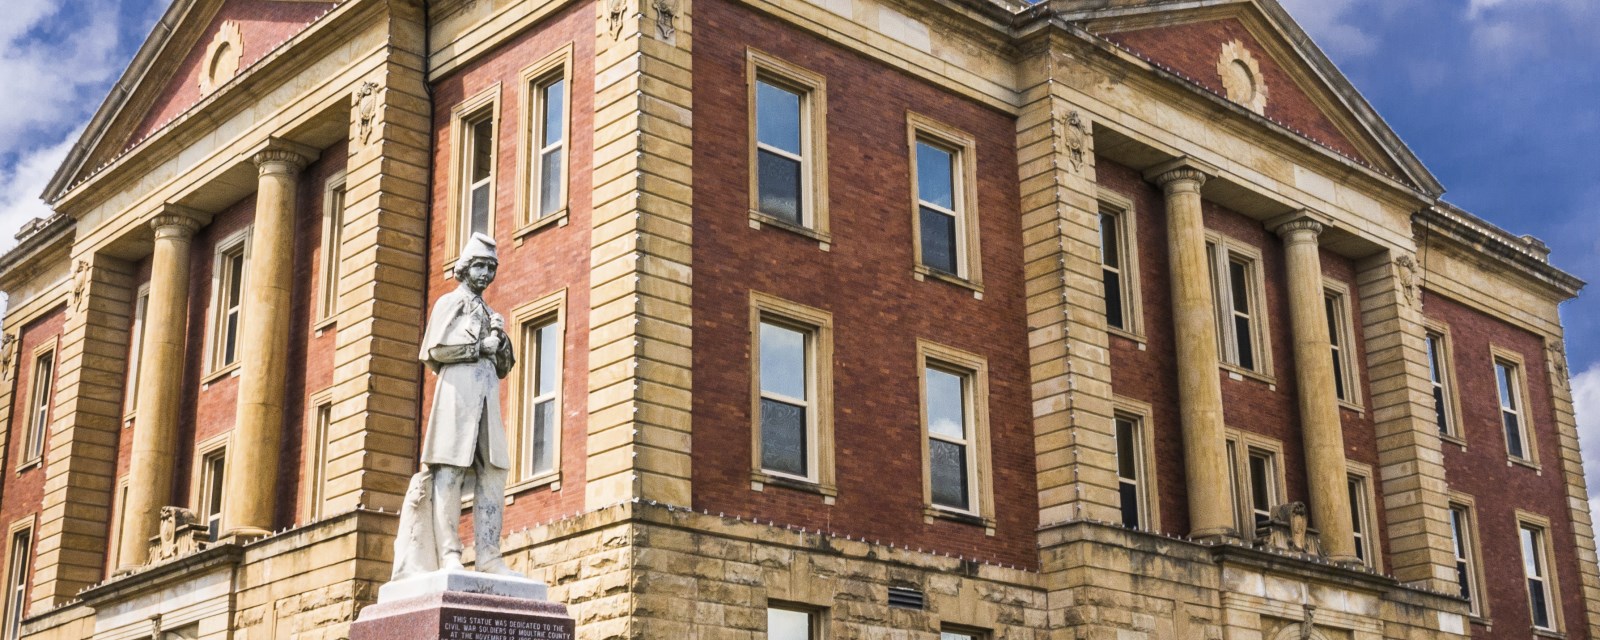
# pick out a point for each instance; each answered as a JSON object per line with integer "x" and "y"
{"x": 463, "y": 604}
{"x": 1217, "y": 535}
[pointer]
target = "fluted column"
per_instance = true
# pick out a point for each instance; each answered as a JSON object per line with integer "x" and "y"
{"x": 1320, "y": 428}
{"x": 252, "y": 471}
{"x": 156, "y": 428}
{"x": 1205, "y": 448}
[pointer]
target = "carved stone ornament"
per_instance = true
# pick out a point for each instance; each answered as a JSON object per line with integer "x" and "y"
{"x": 1077, "y": 138}
{"x": 181, "y": 534}
{"x": 1555, "y": 352}
{"x": 1289, "y": 530}
{"x": 1406, "y": 268}
{"x": 1241, "y": 77}
{"x": 8, "y": 351}
{"x": 80, "y": 284}
{"x": 616, "y": 11}
{"x": 365, "y": 101}
{"x": 666, "y": 14}
{"x": 222, "y": 58}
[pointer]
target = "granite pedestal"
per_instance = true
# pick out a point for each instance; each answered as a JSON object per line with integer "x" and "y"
{"x": 463, "y": 605}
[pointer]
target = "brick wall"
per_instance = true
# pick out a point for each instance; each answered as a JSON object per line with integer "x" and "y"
{"x": 865, "y": 281}
{"x": 543, "y": 262}
{"x": 24, "y": 490}
{"x": 1480, "y": 469}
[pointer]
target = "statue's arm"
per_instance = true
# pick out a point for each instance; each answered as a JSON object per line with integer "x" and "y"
{"x": 454, "y": 353}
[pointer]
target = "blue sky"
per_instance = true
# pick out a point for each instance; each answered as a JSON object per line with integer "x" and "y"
{"x": 1500, "y": 98}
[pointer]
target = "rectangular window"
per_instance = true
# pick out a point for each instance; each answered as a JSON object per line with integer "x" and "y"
{"x": 1237, "y": 294}
{"x": 40, "y": 394}
{"x": 962, "y": 634}
{"x": 955, "y": 427}
{"x": 1131, "y": 472}
{"x": 479, "y": 172}
{"x": 1113, "y": 272}
{"x": 541, "y": 386}
{"x": 1257, "y": 479}
{"x": 130, "y": 387}
{"x": 212, "y": 469}
{"x": 788, "y": 143}
{"x": 1536, "y": 569}
{"x": 228, "y": 287}
{"x": 1439, "y": 377}
{"x": 317, "y": 465}
{"x": 788, "y": 624}
{"x": 474, "y": 163}
{"x": 1508, "y": 379}
{"x": 119, "y": 517}
{"x": 17, "y": 568}
{"x": 942, "y": 168}
{"x": 550, "y": 136}
{"x": 1463, "y": 536}
{"x": 1341, "y": 341}
{"x": 791, "y": 391}
{"x": 333, "y": 203}
{"x": 1361, "y": 519}
{"x": 1263, "y": 486}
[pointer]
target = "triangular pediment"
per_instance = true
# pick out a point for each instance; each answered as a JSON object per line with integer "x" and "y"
{"x": 1252, "y": 53}
{"x": 195, "y": 50}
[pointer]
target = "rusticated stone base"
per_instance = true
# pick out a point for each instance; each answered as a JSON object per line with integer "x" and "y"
{"x": 456, "y": 615}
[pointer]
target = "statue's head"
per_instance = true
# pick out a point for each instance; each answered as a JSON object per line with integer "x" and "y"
{"x": 478, "y": 262}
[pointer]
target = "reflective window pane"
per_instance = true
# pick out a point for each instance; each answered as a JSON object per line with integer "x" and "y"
{"x": 938, "y": 241}
{"x": 554, "y": 110}
{"x": 542, "y": 456}
{"x": 783, "y": 361}
{"x": 482, "y": 149}
{"x": 783, "y": 624}
{"x": 1110, "y": 246}
{"x": 549, "y": 352}
{"x": 946, "y": 405}
{"x": 550, "y": 182}
{"x": 935, "y": 176}
{"x": 778, "y": 117}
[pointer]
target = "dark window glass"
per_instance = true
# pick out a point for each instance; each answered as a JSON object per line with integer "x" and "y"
{"x": 779, "y": 184}
{"x": 938, "y": 240}
{"x": 1260, "y": 497}
{"x": 948, "y": 473}
{"x": 1247, "y": 349}
{"x": 783, "y": 437}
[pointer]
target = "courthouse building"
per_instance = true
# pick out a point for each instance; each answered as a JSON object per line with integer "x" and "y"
{"x": 835, "y": 319}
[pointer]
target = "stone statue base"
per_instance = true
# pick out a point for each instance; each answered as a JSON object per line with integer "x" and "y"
{"x": 463, "y": 605}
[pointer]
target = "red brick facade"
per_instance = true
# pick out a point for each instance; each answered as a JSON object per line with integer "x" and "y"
{"x": 24, "y": 486}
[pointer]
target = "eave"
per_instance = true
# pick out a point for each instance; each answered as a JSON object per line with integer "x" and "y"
{"x": 1527, "y": 255}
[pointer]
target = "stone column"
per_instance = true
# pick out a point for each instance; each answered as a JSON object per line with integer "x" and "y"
{"x": 1320, "y": 428}
{"x": 252, "y": 470}
{"x": 156, "y": 427}
{"x": 1205, "y": 449}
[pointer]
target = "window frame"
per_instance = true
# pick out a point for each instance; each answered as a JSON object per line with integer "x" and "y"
{"x": 1552, "y": 586}
{"x": 318, "y": 439}
{"x": 963, "y": 631}
{"x": 1446, "y": 368}
{"x": 40, "y": 396}
{"x": 1519, "y": 391}
{"x": 136, "y": 328}
{"x": 550, "y": 309}
{"x": 1148, "y": 490}
{"x": 975, "y": 369}
{"x": 964, "y": 151}
{"x": 814, "y": 618}
{"x": 12, "y": 618}
{"x": 818, "y": 325}
{"x": 1240, "y": 445}
{"x": 1121, "y": 209}
{"x": 530, "y": 153}
{"x": 1365, "y": 513}
{"x": 119, "y": 514}
{"x": 1221, "y": 250}
{"x": 334, "y": 204}
{"x": 217, "y": 314}
{"x": 468, "y": 112}
{"x": 213, "y": 448}
{"x": 1467, "y": 506}
{"x": 1342, "y": 338}
{"x": 813, "y": 90}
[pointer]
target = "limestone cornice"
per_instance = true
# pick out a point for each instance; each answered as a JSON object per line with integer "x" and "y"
{"x": 35, "y": 248}
{"x": 1446, "y": 223}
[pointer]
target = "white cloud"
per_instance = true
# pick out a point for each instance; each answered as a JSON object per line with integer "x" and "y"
{"x": 1586, "y": 402}
{"x": 20, "y": 186}
{"x": 1326, "y": 21}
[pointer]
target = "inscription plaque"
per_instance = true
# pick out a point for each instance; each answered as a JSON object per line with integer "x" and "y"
{"x": 482, "y": 625}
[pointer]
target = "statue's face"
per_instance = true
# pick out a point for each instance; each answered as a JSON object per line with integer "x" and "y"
{"x": 479, "y": 274}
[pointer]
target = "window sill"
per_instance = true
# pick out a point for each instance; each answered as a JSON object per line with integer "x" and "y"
{"x": 1485, "y": 622}
{"x": 823, "y": 238}
{"x": 30, "y": 464}
{"x": 1351, "y": 406}
{"x": 1137, "y": 338}
{"x": 551, "y": 480}
{"x": 921, "y": 273}
{"x": 323, "y": 325}
{"x": 558, "y": 218}
{"x": 1513, "y": 460}
{"x": 1546, "y": 633}
{"x": 1242, "y": 372}
{"x": 931, "y": 513}
{"x": 759, "y": 480}
{"x": 214, "y": 376}
{"x": 1455, "y": 440}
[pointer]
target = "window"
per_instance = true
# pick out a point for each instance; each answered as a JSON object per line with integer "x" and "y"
{"x": 212, "y": 469}
{"x": 1119, "y": 263}
{"x": 119, "y": 518}
{"x": 1440, "y": 375}
{"x": 544, "y": 150}
{"x": 1508, "y": 379}
{"x": 333, "y": 203}
{"x": 1258, "y": 479}
{"x": 1263, "y": 492}
{"x": 130, "y": 387}
{"x": 1341, "y": 341}
{"x": 955, "y": 426}
{"x": 788, "y": 624}
{"x": 39, "y": 395}
{"x": 1536, "y": 568}
{"x": 1132, "y": 470}
{"x": 473, "y": 165}
{"x": 961, "y": 634}
{"x": 1362, "y": 523}
{"x": 17, "y": 567}
{"x": 943, "y": 167}
{"x": 788, "y": 107}
{"x": 1237, "y": 293}
{"x": 541, "y": 385}
{"x": 792, "y": 389}
{"x": 1464, "y": 539}
{"x": 317, "y": 454}
{"x": 227, "y": 299}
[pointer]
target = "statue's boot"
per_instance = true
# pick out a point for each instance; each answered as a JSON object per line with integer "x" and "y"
{"x": 487, "y": 515}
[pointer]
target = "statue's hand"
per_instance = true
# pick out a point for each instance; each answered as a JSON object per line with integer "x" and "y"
{"x": 490, "y": 344}
{"x": 497, "y": 322}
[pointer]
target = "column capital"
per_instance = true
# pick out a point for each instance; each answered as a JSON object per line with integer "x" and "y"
{"x": 1303, "y": 225}
{"x": 176, "y": 219}
{"x": 1179, "y": 170}
{"x": 277, "y": 155}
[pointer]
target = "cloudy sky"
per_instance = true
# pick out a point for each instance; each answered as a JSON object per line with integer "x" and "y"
{"x": 1500, "y": 98}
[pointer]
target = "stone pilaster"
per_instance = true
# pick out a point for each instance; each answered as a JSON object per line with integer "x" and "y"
{"x": 1411, "y": 464}
{"x": 264, "y": 349}
{"x": 1074, "y": 438}
{"x": 1320, "y": 428}
{"x": 1205, "y": 456}
{"x": 81, "y": 451}
{"x": 1577, "y": 487}
{"x": 640, "y": 252}
{"x": 372, "y": 441}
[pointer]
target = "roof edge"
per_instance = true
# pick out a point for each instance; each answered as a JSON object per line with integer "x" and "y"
{"x": 1526, "y": 252}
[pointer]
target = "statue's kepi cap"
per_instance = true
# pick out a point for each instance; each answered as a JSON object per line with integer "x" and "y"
{"x": 479, "y": 246}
